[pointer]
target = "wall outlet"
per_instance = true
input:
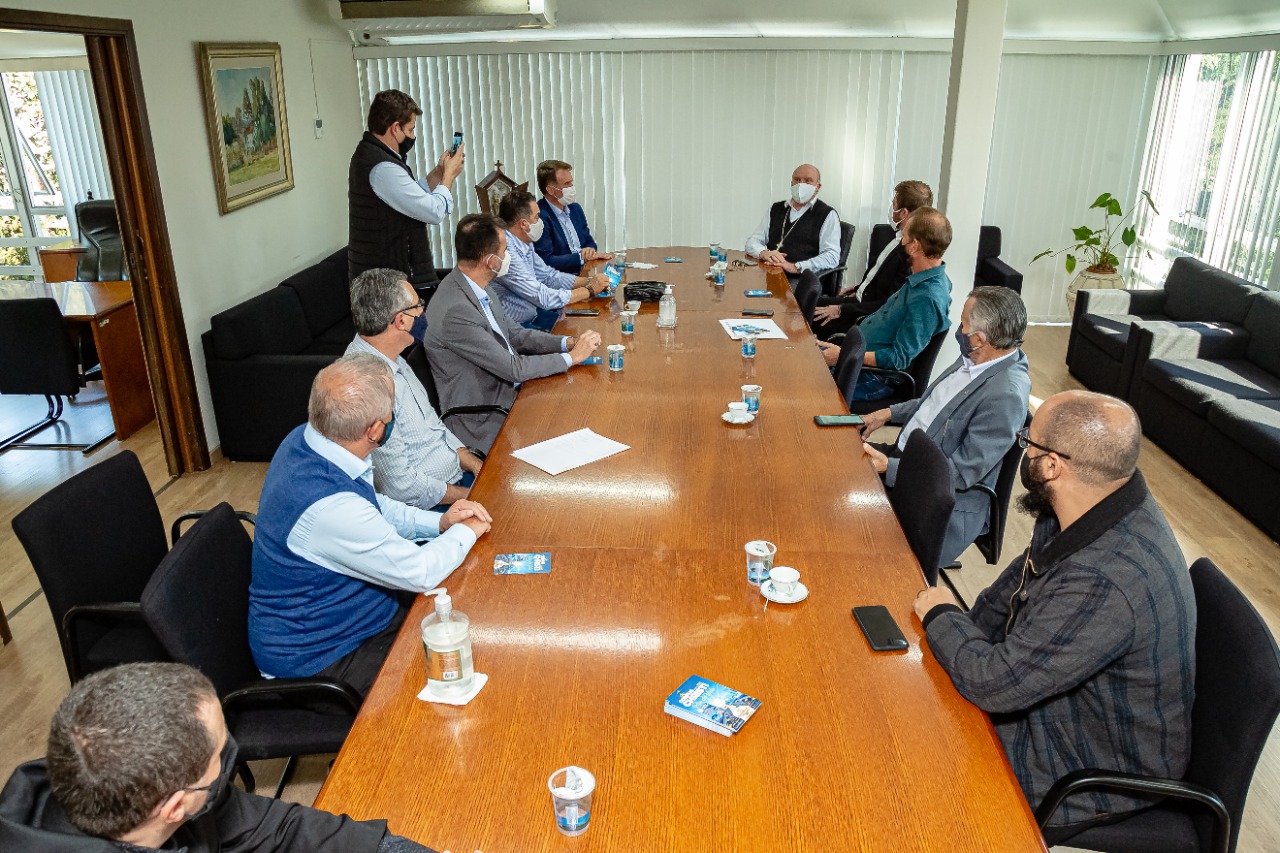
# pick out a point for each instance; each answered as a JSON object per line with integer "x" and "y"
{"x": 319, "y": 128}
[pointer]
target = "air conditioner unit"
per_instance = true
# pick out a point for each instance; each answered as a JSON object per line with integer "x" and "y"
{"x": 389, "y": 22}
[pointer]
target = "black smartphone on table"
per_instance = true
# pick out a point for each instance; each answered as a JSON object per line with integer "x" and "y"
{"x": 582, "y": 312}
{"x": 879, "y": 628}
{"x": 457, "y": 140}
{"x": 838, "y": 420}
{"x": 757, "y": 312}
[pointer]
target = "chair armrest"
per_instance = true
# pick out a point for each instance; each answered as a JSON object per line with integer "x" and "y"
{"x": 176, "y": 530}
{"x": 901, "y": 376}
{"x": 1088, "y": 780}
{"x": 317, "y": 687}
{"x": 475, "y": 410}
{"x": 827, "y": 273}
{"x": 996, "y": 272}
{"x": 119, "y": 611}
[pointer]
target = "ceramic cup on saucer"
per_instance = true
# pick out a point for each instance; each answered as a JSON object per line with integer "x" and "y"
{"x": 738, "y": 412}
{"x": 784, "y": 580}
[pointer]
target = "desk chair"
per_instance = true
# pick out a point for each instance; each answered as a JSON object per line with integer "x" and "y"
{"x": 923, "y": 501}
{"x": 37, "y": 357}
{"x": 807, "y": 290}
{"x": 100, "y": 232}
{"x": 833, "y": 279}
{"x": 989, "y": 270}
{"x": 197, "y": 603}
{"x": 990, "y": 543}
{"x": 912, "y": 382}
{"x": 416, "y": 356}
{"x": 1237, "y": 700}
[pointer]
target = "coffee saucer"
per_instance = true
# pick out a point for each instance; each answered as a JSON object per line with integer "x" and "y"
{"x": 724, "y": 416}
{"x": 800, "y": 593}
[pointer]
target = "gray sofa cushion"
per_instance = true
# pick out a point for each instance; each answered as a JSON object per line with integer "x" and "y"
{"x": 1196, "y": 382}
{"x": 1253, "y": 424}
{"x": 270, "y": 323}
{"x": 1109, "y": 332}
{"x": 1263, "y": 325}
{"x": 1197, "y": 291}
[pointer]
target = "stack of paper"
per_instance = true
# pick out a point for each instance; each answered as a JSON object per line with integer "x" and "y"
{"x": 569, "y": 451}
{"x": 762, "y": 326}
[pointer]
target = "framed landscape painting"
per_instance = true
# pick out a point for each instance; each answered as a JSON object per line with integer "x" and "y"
{"x": 248, "y": 128}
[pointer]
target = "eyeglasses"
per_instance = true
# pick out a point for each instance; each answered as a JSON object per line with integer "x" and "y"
{"x": 420, "y": 304}
{"x": 1024, "y": 441}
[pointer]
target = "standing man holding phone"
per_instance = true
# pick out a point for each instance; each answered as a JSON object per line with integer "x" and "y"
{"x": 389, "y": 209}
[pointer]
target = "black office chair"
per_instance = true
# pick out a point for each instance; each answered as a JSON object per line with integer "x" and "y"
{"x": 197, "y": 603}
{"x": 807, "y": 290}
{"x": 1237, "y": 699}
{"x": 911, "y": 383}
{"x": 923, "y": 501}
{"x": 833, "y": 279}
{"x": 989, "y": 270}
{"x": 100, "y": 233}
{"x": 990, "y": 543}
{"x": 37, "y": 357}
{"x": 416, "y": 356}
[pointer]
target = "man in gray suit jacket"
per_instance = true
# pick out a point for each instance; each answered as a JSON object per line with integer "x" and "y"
{"x": 972, "y": 412}
{"x": 478, "y": 356}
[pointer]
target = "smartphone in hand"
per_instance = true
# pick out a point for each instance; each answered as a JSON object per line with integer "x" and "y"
{"x": 457, "y": 140}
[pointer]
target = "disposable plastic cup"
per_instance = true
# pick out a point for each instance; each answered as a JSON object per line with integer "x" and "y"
{"x": 616, "y": 352}
{"x": 751, "y": 396}
{"x": 571, "y": 788}
{"x": 628, "y": 322}
{"x": 760, "y": 556}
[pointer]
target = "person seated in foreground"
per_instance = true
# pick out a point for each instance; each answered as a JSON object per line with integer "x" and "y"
{"x": 972, "y": 412}
{"x": 800, "y": 233}
{"x": 331, "y": 557}
{"x": 533, "y": 293}
{"x": 1083, "y": 649}
{"x": 421, "y": 463}
{"x": 140, "y": 759}
{"x": 900, "y": 329}
{"x": 566, "y": 243}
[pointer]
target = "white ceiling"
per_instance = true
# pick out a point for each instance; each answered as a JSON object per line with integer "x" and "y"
{"x": 23, "y": 45}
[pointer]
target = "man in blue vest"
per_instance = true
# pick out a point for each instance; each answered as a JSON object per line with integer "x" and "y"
{"x": 330, "y": 556}
{"x": 389, "y": 210}
{"x": 566, "y": 244}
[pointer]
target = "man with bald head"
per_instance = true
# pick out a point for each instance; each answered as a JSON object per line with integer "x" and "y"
{"x": 1083, "y": 649}
{"x": 801, "y": 233}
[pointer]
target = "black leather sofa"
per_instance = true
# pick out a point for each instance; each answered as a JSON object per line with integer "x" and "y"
{"x": 990, "y": 269}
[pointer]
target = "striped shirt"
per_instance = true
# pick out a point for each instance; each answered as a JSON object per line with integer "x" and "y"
{"x": 530, "y": 284}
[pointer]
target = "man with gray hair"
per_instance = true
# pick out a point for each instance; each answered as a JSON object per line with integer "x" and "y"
{"x": 139, "y": 758}
{"x": 422, "y": 463}
{"x": 1083, "y": 649}
{"x": 972, "y": 411}
{"x": 331, "y": 557}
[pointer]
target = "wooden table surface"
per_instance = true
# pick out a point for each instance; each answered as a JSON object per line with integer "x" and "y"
{"x": 77, "y": 300}
{"x": 850, "y": 750}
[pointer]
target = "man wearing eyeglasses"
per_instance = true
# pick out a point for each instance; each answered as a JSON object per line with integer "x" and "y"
{"x": 1083, "y": 649}
{"x": 422, "y": 463}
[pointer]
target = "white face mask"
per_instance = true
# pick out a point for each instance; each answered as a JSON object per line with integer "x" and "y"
{"x": 506, "y": 265}
{"x": 893, "y": 218}
{"x": 535, "y": 231}
{"x": 803, "y": 193}
{"x": 568, "y": 195}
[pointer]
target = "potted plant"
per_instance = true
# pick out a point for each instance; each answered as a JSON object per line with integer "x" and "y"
{"x": 1099, "y": 248}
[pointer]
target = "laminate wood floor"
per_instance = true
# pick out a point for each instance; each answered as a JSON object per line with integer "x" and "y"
{"x": 34, "y": 679}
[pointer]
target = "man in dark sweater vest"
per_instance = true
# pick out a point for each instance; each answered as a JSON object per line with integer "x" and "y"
{"x": 389, "y": 209}
{"x": 1083, "y": 650}
{"x": 801, "y": 233}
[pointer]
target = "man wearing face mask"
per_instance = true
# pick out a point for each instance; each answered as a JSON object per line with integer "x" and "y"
{"x": 972, "y": 412}
{"x": 421, "y": 464}
{"x": 531, "y": 292}
{"x": 335, "y": 564}
{"x": 139, "y": 759}
{"x": 566, "y": 243}
{"x": 1083, "y": 649}
{"x": 886, "y": 273}
{"x": 801, "y": 233}
{"x": 478, "y": 356}
{"x": 389, "y": 210}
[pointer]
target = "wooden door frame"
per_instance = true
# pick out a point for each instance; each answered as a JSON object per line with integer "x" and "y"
{"x": 126, "y": 131}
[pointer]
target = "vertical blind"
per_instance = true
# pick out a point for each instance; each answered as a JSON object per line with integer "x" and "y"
{"x": 71, "y": 118}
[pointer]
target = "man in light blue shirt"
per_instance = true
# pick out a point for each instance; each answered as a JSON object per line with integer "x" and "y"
{"x": 533, "y": 293}
{"x": 330, "y": 556}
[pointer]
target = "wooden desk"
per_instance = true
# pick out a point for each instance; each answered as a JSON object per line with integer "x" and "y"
{"x": 107, "y": 308}
{"x": 60, "y": 264}
{"x": 873, "y": 752}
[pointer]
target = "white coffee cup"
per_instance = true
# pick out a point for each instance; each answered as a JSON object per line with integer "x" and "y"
{"x": 738, "y": 411}
{"x": 633, "y": 305}
{"x": 784, "y": 580}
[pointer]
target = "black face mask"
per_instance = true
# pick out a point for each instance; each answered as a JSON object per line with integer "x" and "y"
{"x": 229, "y": 752}
{"x": 419, "y": 327}
{"x": 406, "y": 145}
{"x": 1036, "y": 501}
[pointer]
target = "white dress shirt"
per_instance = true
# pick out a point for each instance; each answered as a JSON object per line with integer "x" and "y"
{"x": 943, "y": 393}
{"x": 346, "y": 534}
{"x": 421, "y": 457}
{"x": 398, "y": 189}
{"x": 828, "y": 256}
{"x": 483, "y": 296}
{"x": 530, "y": 284}
{"x": 884, "y": 254}
{"x": 566, "y": 225}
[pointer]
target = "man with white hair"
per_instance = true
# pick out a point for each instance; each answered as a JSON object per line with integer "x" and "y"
{"x": 331, "y": 556}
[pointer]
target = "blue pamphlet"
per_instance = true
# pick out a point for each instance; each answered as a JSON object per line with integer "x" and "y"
{"x": 747, "y": 329}
{"x": 756, "y": 293}
{"x": 674, "y": 260}
{"x": 713, "y": 706}
{"x": 593, "y": 359}
{"x": 522, "y": 564}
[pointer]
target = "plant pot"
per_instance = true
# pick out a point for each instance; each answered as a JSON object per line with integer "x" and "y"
{"x": 1092, "y": 281}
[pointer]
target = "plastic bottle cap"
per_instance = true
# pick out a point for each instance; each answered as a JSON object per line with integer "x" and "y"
{"x": 444, "y": 603}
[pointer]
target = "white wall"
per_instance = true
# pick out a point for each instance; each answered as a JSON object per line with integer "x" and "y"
{"x": 222, "y": 260}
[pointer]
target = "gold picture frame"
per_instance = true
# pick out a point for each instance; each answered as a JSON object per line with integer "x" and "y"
{"x": 248, "y": 125}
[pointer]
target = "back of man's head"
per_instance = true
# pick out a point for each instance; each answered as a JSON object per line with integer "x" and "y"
{"x": 377, "y": 295}
{"x": 1000, "y": 314}
{"x": 913, "y": 195}
{"x": 476, "y": 237}
{"x": 516, "y": 205}
{"x": 126, "y": 738}
{"x": 1101, "y": 434}
{"x": 349, "y": 395}
{"x": 546, "y": 173}
{"x": 931, "y": 229}
{"x": 389, "y": 107}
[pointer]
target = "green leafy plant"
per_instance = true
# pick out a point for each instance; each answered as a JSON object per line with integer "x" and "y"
{"x": 1100, "y": 247}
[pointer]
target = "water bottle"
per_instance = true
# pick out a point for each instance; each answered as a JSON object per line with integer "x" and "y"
{"x": 446, "y": 638}
{"x": 667, "y": 309}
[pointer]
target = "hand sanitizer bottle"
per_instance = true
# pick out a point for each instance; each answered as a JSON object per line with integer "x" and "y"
{"x": 667, "y": 309}
{"x": 446, "y": 638}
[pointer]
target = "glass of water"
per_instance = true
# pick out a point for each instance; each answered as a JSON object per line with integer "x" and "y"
{"x": 749, "y": 345}
{"x": 759, "y": 560}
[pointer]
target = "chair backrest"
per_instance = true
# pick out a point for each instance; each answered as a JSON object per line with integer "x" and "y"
{"x": 1237, "y": 693}
{"x": 416, "y": 357}
{"x": 493, "y": 187}
{"x": 923, "y": 500}
{"x": 989, "y": 544}
{"x": 881, "y": 236}
{"x": 36, "y": 354}
{"x": 197, "y": 602}
{"x": 922, "y": 368}
{"x": 96, "y": 538}
{"x": 849, "y": 365}
{"x": 100, "y": 232}
{"x": 807, "y": 291}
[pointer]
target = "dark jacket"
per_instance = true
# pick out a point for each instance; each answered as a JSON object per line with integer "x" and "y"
{"x": 888, "y": 280}
{"x": 32, "y": 821}
{"x": 553, "y": 248}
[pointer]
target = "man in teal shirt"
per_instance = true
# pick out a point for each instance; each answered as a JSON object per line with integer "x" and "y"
{"x": 896, "y": 333}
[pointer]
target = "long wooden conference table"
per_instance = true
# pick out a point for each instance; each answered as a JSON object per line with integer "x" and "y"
{"x": 850, "y": 750}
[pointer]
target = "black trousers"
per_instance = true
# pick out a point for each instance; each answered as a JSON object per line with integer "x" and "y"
{"x": 360, "y": 666}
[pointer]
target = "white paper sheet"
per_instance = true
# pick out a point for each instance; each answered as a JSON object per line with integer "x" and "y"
{"x": 771, "y": 329}
{"x": 569, "y": 451}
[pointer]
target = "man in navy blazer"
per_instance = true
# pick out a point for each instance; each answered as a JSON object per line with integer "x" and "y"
{"x": 566, "y": 243}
